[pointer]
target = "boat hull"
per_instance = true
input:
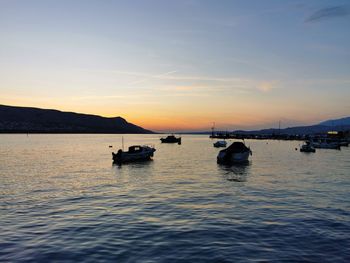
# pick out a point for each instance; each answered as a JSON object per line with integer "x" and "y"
{"x": 335, "y": 146}
{"x": 242, "y": 157}
{"x": 307, "y": 150}
{"x": 126, "y": 157}
{"x": 237, "y": 152}
{"x": 220, "y": 144}
{"x": 175, "y": 140}
{"x": 344, "y": 143}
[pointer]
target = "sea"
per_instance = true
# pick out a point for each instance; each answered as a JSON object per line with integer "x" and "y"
{"x": 63, "y": 200}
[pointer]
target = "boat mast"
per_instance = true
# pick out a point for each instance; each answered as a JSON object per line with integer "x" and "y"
{"x": 279, "y": 127}
{"x": 212, "y": 129}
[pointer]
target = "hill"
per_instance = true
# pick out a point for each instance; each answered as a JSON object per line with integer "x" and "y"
{"x": 34, "y": 120}
{"x": 337, "y": 122}
{"x": 313, "y": 129}
{"x": 323, "y": 127}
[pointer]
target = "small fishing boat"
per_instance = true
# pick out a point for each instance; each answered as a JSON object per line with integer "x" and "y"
{"x": 325, "y": 144}
{"x": 171, "y": 139}
{"x": 237, "y": 152}
{"x": 344, "y": 143}
{"x": 134, "y": 153}
{"x": 307, "y": 148}
{"x": 220, "y": 144}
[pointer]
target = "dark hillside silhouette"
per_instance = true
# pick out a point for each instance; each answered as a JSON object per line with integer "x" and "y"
{"x": 35, "y": 120}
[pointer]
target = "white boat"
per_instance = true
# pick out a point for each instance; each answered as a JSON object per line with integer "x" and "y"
{"x": 307, "y": 147}
{"x": 325, "y": 144}
{"x": 237, "y": 152}
{"x": 135, "y": 153}
{"x": 220, "y": 144}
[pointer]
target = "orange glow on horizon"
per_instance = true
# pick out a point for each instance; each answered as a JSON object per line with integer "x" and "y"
{"x": 172, "y": 119}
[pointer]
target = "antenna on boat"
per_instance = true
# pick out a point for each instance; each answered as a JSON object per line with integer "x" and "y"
{"x": 279, "y": 127}
{"x": 122, "y": 143}
{"x": 212, "y": 129}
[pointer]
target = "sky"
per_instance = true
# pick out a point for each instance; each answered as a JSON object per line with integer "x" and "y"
{"x": 179, "y": 65}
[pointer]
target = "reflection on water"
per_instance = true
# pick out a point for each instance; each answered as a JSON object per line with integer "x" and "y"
{"x": 61, "y": 199}
{"x": 236, "y": 172}
{"x": 136, "y": 164}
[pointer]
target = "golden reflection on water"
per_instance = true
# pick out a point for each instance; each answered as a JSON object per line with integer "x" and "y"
{"x": 236, "y": 172}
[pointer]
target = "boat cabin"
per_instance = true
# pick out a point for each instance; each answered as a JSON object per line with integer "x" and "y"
{"x": 135, "y": 149}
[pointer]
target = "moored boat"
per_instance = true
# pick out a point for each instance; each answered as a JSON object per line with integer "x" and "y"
{"x": 307, "y": 147}
{"x": 344, "y": 143}
{"x": 171, "y": 139}
{"x": 237, "y": 152}
{"x": 325, "y": 144}
{"x": 134, "y": 153}
{"x": 220, "y": 144}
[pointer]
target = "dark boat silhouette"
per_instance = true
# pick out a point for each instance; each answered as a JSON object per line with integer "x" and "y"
{"x": 171, "y": 139}
{"x": 237, "y": 152}
{"x": 220, "y": 144}
{"x": 134, "y": 154}
{"x": 307, "y": 147}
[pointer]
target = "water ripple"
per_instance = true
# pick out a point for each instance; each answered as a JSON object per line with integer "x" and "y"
{"x": 181, "y": 207}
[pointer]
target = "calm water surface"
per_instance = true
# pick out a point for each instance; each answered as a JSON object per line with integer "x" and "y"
{"x": 63, "y": 200}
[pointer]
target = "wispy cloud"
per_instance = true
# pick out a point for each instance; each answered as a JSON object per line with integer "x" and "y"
{"x": 129, "y": 73}
{"x": 328, "y": 13}
{"x": 185, "y": 84}
{"x": 170, "y": 75}
{"x": 187, "y": 90}
{"x": 153, "y": 77}
{"x": 267, "y": 86}
{"x": 255, "y": 65}
{"x": 181, "y": 88}
{"x": 99, "y": 97}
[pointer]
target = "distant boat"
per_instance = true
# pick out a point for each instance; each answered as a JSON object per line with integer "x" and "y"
{"x": 135, "y": 153}
{"x": 325, "y": 144}
{"x": 307, "y": 147}
{"x": 344, "y": 143}
{"x": 171, "y": 139}
{"x": 220, "y": 144}
{"x": 237, "y": 152}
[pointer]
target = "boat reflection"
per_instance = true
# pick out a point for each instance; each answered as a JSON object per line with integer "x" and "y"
{"x": 136, "y": 164}
{"x": 134, "y": 173}
{"x": 237, "y": 172}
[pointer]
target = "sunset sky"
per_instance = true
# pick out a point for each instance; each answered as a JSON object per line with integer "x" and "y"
{"x": 179, "y": 65}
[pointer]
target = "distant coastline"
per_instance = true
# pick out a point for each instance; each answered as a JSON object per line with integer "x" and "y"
{"x": 290, "y": 133}
{"x": 19, "y": 120}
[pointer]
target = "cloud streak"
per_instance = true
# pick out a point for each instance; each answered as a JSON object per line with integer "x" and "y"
{"x": 267, "y": 86}
{"x": 328, "y": 13}
{"x": 166, "y": 76}
{"x": 153, "y": 77}
{"x": 186, "y": 84}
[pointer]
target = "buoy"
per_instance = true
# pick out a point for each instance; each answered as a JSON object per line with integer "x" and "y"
{"x": 110, "y": 146}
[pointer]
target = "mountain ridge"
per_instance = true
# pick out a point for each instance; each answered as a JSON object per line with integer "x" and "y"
{"x": 322, "y": 127}
{"x": 336, "y": 122}
{"x": 17, "y": 119}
